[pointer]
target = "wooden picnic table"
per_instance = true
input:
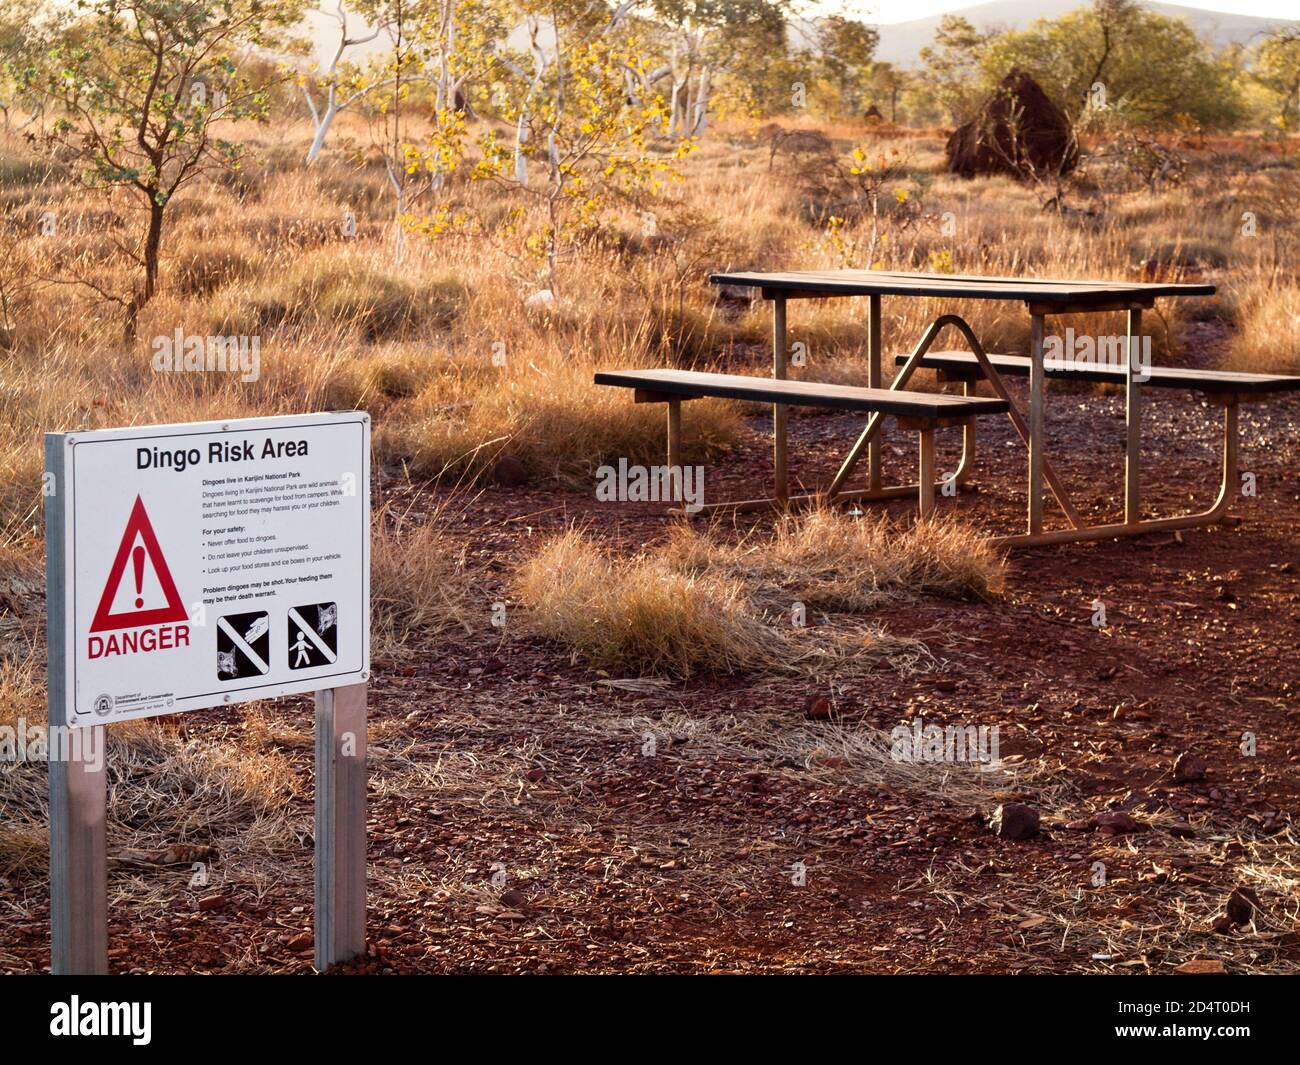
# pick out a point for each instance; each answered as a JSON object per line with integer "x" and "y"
{"x": 1042, "y": 297}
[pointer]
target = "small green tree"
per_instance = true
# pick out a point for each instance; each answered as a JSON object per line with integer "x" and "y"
{"x": 952, "y": 67}
{"x": 1123, "y": 65}
{"x": 582, "y": 141}
{"x": 1277, "y": 68}
{"x": 846, "y": 48}
{"x": 140, "y": 85}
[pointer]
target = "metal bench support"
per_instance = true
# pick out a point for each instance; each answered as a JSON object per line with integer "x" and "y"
{"x": 1133, "y": 425}
{"x": 780, "y": 463}
{"x": 913, "y": 363}
{"x": 1215, "y": 513}
{"x": 1035, "y": 441}
{"x": 675, "y": 446}
{"x": 875, "y": 379}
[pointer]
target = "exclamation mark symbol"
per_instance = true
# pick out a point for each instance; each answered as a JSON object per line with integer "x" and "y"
{"x": 137, "y": 562}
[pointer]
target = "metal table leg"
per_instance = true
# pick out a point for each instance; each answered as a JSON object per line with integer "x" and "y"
{"x": 1036, "y": 424}
{"x": 1133, "y": 426}
{"x": 779, "y": 436}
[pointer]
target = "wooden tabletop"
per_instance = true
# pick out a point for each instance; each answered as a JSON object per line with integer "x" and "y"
{"x": 956, "y": 286}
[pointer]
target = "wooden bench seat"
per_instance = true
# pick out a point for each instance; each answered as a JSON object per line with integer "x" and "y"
{"x": 690, "y": 384}
{"x": 922, "y": 411}
{"x": 963, "y": 364}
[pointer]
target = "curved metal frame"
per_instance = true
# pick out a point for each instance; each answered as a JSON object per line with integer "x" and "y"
{"x": 994, "y": 378}
{"x": 1216, "y": 513}
{"x": 1029, "y": 430}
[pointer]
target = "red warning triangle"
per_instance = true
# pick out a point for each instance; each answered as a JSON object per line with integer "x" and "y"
{"x": 138, "y": 525}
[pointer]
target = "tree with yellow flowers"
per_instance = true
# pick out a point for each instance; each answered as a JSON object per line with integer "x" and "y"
{"x": 874, "y": 187}
{"x": 582, "y": 141}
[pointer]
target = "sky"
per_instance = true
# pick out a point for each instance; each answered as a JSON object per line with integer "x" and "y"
{"x": 885, "y": 11}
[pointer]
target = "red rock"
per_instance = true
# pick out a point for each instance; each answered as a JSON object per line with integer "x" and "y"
{"x": 1188, "y": 768}
{"x": 818, "y": 708}
{"x": 1115, "y": 822}
{"x": 1014, "y": 820}
{"x": 1241, "y": 905}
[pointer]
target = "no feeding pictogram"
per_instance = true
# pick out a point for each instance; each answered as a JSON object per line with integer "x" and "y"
{"x": 243, "y": 645}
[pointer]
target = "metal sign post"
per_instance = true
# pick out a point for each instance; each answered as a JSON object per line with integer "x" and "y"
{"x": 340, "y": 824}
{"x": 199, "y": 565}
{"x": 78, "y": 789}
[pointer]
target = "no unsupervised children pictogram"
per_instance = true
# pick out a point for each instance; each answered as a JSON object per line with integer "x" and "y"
{"x": 243, "y": 645}
{"x": 150, "y": 585}
{"x": 313, "y": 635}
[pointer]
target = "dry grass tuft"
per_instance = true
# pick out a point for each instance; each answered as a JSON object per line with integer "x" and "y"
{"x": 829, "y": 560}
{"x": 22, "y": 689}
{"x": 418, "y": 581}
{"x": 164, "y": 789}
{"x": 336, "y": 286}
{"x": 546, "y": 412}
{"x": 22, "y": 644}
{"x": 640, "y": 614}
{"x": 1266, "y": 342}
{"x": 695, "y": 604}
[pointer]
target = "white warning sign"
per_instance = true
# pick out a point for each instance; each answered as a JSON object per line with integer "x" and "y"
{"x": 210, "y": 563}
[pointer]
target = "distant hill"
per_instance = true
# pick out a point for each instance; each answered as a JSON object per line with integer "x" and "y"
{"x": 902, "y": 42}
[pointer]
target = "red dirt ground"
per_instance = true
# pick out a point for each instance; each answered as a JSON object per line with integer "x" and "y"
{"x": 617, "y": 861}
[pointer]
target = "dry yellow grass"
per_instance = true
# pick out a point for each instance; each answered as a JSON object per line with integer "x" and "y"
{"x": 641, "y": 615}
{"x": 697, "y": 603}
{"x": 456, "y": 368}
{"x": 831, "y": 561}
{"x": 545, "y": 411}
{"x": 441, "y": 348}
{"x": 164, "y": 789}
{"x": 22, "y": 687}
{"x": 1269, "y": 338}
{"x": 22, "y": 652}
{"x": 418, "y": 581}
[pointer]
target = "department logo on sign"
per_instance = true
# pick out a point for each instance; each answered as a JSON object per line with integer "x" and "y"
{"x": 313, "y": 635}
{"x": 243, "y": 645}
